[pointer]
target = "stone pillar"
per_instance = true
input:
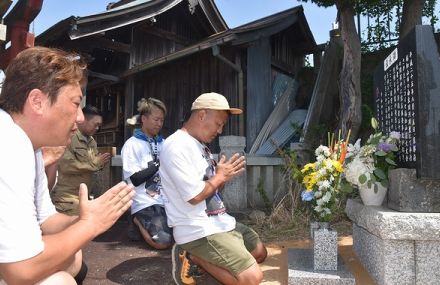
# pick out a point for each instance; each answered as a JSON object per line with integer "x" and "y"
{"x": 325, "y": 249}
{"x": 235, "y": 191}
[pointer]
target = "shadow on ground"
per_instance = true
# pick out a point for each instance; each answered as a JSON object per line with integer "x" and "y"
{"x": 113, "y": 259}
{"x": 139, "y": 270}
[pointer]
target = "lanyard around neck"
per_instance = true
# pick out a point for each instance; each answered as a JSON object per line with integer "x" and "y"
{"x": 207, "y": 155}
{"x": 153, "y": 148}
{"x": 152, "y": 142}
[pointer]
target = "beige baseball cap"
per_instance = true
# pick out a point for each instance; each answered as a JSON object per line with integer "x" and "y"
{"x": 214, "y": 101}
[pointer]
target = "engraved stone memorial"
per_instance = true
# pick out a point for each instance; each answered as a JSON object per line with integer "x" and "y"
{"x": 399, "y": 243}
{"x": 407, "y": 100}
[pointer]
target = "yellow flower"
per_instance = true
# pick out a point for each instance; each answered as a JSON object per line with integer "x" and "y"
{"x": 310, "y": 181}
{"x": 338, "y": 166}
{"x": 308, "y": 167}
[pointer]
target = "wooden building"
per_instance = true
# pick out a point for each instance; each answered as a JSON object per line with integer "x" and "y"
{"x": 174, "y": 50}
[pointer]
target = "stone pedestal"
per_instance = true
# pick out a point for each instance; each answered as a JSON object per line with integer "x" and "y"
{"x": 235, "y": 190}
{"x": 301, "y": 272}
{"x": 396, "y": 248}
{"x": 407, "y": 193}
{"x": 320, "y": 265}
{"x": 325, "y": 249}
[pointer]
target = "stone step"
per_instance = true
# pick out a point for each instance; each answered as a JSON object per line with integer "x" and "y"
{"x": 300, "y": 270}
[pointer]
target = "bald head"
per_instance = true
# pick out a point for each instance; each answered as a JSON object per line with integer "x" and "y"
{"x": 206, "y": 125}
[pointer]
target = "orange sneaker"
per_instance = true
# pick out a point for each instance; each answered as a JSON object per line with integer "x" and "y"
{"x": 181, "y": 267}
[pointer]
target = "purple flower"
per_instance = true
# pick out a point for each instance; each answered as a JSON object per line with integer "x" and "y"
{"x": 307, "y": 196}
{"x": 385, "y": 147}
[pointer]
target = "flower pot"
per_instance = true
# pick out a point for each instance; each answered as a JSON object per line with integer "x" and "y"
{"x": 371, "y": 198}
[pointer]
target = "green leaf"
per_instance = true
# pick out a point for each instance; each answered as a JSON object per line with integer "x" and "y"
{"x": 375, "y": 140}
{"x": 376, "y": 188}
{"x": 346, "y": 187}
{"x": 394, "y": 148}
{"x": 379, "y": 173}
{"x": 362, "y": 179}
{"x": 369, "y": 183}
{"x": 390, "y": 161}
{"x": 380, "y": 153}
{"x": 384, "y": 183}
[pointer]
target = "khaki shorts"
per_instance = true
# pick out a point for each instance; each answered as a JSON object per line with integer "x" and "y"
{"x": 68, "y": 206}
{"x": 230, "y": 250}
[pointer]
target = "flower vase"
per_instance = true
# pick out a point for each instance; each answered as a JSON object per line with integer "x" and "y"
{"x": 325, "y": 248}
{"x": 371, "y": 198}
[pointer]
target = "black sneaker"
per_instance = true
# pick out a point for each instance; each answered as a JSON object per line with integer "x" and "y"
{"x": 181, "y": 266}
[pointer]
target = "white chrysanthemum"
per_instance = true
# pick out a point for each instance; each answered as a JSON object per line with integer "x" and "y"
{"x": 356, "y": 168}
{"x": 322, "y": 150}
{"x": 322, "y": 172}
{"x": 320, "y": 202}
{"x": 320, "y": 158}
{"x": 318, "y": 209}
{"x": 318, "y": 194}
{"x": 324, "y": 184}
{"x": 327, "y": 197}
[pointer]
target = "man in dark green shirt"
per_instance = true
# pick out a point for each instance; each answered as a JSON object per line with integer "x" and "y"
{"x": 80, "y": 160}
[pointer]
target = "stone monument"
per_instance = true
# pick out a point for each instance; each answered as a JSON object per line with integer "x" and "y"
{"x": 399, "y": 243}
{"x": 235, "y": 193}
{"x": 407, "y": 99}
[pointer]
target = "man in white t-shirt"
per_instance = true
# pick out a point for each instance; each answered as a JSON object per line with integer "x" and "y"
{"x": 192, "y": 183}
{"x": 40, "y": 106}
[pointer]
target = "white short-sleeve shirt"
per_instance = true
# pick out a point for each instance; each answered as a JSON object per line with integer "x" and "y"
{"x": 24, "y": 197}
{"x": 182, "y": 170}
{"x": 136, "y": 154}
